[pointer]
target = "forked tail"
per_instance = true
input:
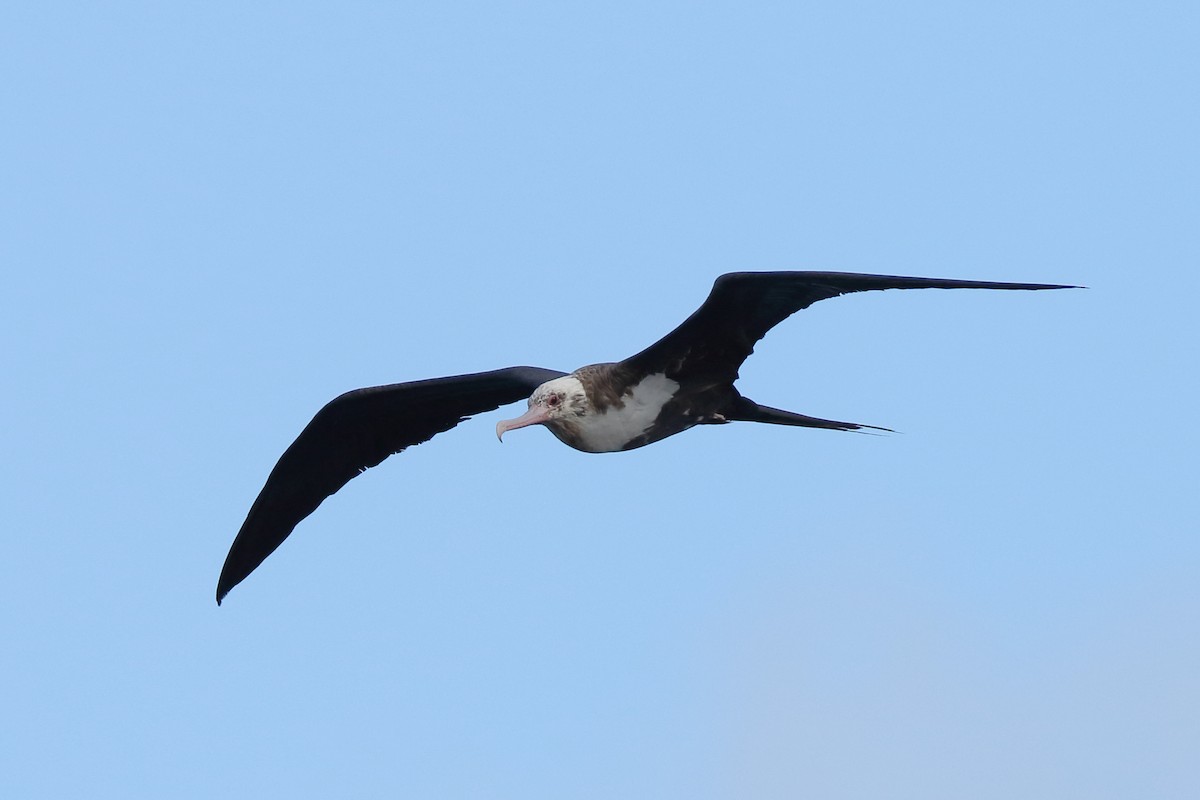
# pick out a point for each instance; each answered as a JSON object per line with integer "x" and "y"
{"x": 746, "y": 410}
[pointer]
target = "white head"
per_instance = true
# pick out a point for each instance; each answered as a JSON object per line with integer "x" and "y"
{"x": 557, "y": 402}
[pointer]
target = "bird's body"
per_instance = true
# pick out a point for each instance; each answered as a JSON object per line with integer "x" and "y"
{"x": 620, "y": 420}
{"x": 684, "y": 379}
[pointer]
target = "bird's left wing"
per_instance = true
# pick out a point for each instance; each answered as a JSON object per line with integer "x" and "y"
{"x": 743, "y": 306}
{"x": 356, "y": 431}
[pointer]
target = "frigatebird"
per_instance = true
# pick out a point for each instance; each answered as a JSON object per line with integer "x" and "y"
{"x": 684, "y": 379}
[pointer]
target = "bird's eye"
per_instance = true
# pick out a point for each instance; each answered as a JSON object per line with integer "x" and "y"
{"x": 552, "y": 400}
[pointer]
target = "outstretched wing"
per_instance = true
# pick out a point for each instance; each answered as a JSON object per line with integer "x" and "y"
{"x": 356, "y": 431}
{"x": 743, "y": 306}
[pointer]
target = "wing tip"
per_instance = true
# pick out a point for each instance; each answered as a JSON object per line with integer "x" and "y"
{"x": 1036, "y": 286}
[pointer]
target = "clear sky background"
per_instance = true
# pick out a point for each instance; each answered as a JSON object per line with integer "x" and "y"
{"x": 214, "y": 217}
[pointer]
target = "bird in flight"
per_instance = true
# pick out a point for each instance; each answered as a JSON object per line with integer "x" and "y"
{"x": 684, "y": 379}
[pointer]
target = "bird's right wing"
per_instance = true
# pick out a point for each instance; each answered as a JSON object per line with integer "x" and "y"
{"x": 354, "y": 432}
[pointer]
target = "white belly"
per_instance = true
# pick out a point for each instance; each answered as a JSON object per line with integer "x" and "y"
{"x": 612, "y": 430}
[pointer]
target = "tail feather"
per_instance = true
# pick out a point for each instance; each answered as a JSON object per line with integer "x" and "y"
{"x": 747, "y": 410}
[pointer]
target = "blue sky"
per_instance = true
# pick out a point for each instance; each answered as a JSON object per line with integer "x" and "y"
{"x": 216, "y": 217}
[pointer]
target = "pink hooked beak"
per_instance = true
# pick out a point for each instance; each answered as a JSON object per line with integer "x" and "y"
{"x": 536, "y": 415}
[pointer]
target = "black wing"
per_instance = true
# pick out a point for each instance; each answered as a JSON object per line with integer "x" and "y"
{"x": 354, "y": 432}
{"x": 743, "y": 306}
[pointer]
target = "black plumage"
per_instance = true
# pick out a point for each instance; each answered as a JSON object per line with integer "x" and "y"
{"x": 354, "y": 432}
{"x": 700, "y": 358}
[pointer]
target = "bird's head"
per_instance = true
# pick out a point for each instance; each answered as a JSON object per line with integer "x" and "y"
{"x": 557, "y": 404}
